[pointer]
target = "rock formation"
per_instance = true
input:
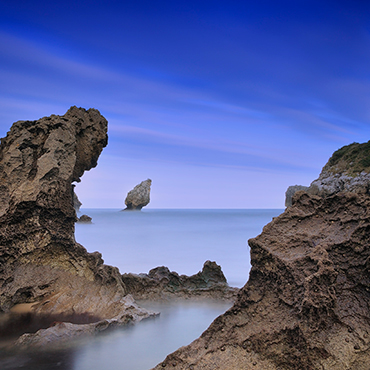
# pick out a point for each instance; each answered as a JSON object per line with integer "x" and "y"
{"x": 40, "y": 262}
{"x": 348, "y": 169}
{"x": 85, "y": 219}
{"x": 139, "y": 196}
{"x": 162, "y": 284}
{"x": 76, "y": 202}
{"x": 306, "y": 304}
{"x": 291, "y": 191}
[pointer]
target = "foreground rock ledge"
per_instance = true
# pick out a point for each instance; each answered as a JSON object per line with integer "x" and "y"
{"x": 40, "y": 262}
{"x": 306, "y": 304}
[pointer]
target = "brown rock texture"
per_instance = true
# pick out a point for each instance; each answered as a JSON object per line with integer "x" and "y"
{"x": 163, "y": 284}
{"x": 307, "y": 302}
{"x": 40, "y": 262}
{"x": 139, "y": 196}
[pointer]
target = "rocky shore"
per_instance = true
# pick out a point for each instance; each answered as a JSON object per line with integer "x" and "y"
{"x": 306, "y": 303}
{"x": 163, "y": 284}
{"x": 45, "y": 275}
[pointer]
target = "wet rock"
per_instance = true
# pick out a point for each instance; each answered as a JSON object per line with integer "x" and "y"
{"x": 62, "y": 333}
{"x": 40, "y": 262}
{"x": 139, "y": 196}
{"x": 306, "y": 303}
{"x": 161, "y": 283}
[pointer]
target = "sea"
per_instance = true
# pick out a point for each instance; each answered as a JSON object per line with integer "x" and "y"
{"x": 137, "y": 241}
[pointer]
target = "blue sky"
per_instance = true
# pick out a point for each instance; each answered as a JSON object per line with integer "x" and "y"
{"x": 223, "y": 104}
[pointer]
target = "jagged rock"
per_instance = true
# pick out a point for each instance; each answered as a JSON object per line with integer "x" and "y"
{"x": 40, "y": 262}
{"x": 76, "y": 202}
{"x": 306, "y": 303}
{"x": 139, "y": 196}
{"x": 291, "y": 191}
{"x": 161, "y": 284}
{"x": 85, "y": 219}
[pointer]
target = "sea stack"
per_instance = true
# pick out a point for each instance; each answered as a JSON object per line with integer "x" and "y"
{"x": 41, "y": 265}
{"x": 139, "y": 196}
{"x": 306, "y": 304}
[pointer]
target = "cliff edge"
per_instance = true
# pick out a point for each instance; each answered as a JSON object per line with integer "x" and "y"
{"x": 306, "y": 303}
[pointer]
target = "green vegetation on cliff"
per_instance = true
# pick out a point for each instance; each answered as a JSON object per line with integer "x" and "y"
{"x": 352, "y": 159}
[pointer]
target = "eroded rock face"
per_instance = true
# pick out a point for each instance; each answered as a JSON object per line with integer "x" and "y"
{"x": 291, "y": 191}
{"x": 162, "y": 284}
{"x": 40, "y": 261}
{"x": 306, "y": 304}
{"x": 139, "y": 196}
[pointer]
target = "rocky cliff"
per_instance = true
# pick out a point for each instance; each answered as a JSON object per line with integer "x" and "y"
{"x": 139, "y": 196}
{"x": 348, "y": 169}
{"x": 41, "y": 265}
{"x": 306, "y": 304}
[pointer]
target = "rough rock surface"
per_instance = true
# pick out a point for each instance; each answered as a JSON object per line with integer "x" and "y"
{"x": 139, "y": 196}
{"x": 306, "y": 304}
{"x": 348, "y": 169}
{"x": 291, "y": 191}
{"x": 161, "y": 284}
{"x": 40, "y": 262}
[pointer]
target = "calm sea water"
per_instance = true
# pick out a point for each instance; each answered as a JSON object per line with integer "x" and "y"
{"x": 182, "y": 240}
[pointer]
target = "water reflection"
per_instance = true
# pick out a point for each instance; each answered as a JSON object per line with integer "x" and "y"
{"x": 138, "y": 347}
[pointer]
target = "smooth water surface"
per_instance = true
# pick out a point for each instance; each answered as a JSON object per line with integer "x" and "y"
{"x": 138, "y": 347}
{"x": 182, "y": 240}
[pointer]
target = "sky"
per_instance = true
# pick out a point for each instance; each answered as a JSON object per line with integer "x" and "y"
{"x": 223, "y": 104}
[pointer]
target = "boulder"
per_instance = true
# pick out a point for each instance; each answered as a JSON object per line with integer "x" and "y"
{"x": 139, "y": 196}
{"x": 40, "y": 262}
{"x": 291, "y": 191}
{"x": 85, "y": 219}
{"x": 306, "y": 303}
